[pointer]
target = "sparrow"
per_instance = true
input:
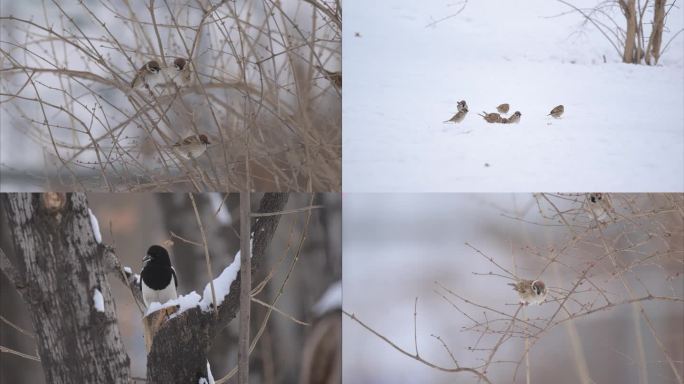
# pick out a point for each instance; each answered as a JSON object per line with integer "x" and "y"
{"x": 514, "y": 118}
{"x": 503, "y": 108}
{"x": 491, "y": 117}
{"x": 460, "y": 115}
{"x": 334, "y": 77}
{"x": 557, "y": 111}
{"x": 180, "y": 72}
{"x": 530, "y": 291}
{"x": 158, "y": 280}
{"x": 191, "y": 147}
{"x": 598, "y": 207}
{"x": 461, "y": 106}
{"x": 147, "y": 76}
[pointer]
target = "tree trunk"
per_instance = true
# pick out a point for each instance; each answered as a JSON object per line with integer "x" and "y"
{"x": 629, "y": 10}
{"x": 58, "y": 268}
{"x": 656, "y": 40}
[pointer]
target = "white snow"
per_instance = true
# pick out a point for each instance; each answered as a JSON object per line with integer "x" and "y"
{"x": 330, "y": 300}
{"x": 209, "y": 374}
{"x": 191, "y": 300}
{"x": 622, "y": 129}
{"x": 96, "y": 226}
{"x": 98, "y": 300}
{"x": 221, "y": 284}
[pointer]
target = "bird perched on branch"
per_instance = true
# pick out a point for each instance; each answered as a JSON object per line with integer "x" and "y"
{"x": 462, "y": 108}
{"x": 598, "y": 207}
{"x": 503, "y": 108}
{"x": 557, "y": 111}
{"x": 530, "y": 291}
{"x": 191, "y": 147}
{"x": 490, "y": 117}
{"x": 334, "y": 77}
{"x": 179, "y": 74}
{"x": 158, "y": 280}
{"x": 513, "y": 119}
{"x": 148, "y": 76}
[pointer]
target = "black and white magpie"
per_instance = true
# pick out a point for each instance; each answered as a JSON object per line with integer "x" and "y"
{"x": 158, "y": 280}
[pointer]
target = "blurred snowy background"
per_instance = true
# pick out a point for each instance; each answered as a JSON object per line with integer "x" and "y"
{"x": 396, "y": 246}
{"x": 407, "y": 64}
{"x": 132, "y": 222}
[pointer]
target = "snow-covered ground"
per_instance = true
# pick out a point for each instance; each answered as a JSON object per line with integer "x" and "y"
{"x": 623, "y": 128}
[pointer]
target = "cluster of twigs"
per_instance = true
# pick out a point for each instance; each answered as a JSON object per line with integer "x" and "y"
{"x": 260, "y": 89}
{"x": 599, "y": 265}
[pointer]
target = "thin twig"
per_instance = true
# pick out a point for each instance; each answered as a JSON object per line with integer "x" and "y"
{"x": 206, "y": 253}
{"x": 415, "y": 357}
{"x": 273, "y": 307}
{"x": 17, "y": 353}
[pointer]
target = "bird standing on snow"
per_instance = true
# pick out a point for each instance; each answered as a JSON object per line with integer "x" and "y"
{"x": 557, "y": 111}
{"x": 158, "y": 278}
{"x": 462, "y": 112}
{"x": 490, "y": 117}
{"x": 530, "y": 291}
{"x": 147, "y": 76}
{"x": 461, "y": 105}
{"x": 515, "y": 118}
{"x": 503, "y": 108}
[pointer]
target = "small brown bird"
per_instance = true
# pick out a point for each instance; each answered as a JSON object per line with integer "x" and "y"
{"x": 459, "y": 116}
{"x": 191, "y": 147}
{"x": 598, "y": 207}
{"x": 461, "y": 105}
{"x": 334, "y": 77}
{"x": 180, "y": 72}
{"x": 503, "y": 108}
{"x": 490, "y": 117}
{"x": 514, "y": 119}
{"x": 530, "y": 291}
{"x": 557, "y": 111}
{"x": 147, "y": 76}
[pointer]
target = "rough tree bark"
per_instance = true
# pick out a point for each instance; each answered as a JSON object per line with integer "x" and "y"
{"x": 179, "y": 350}
{"x": 59, "y": 265}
